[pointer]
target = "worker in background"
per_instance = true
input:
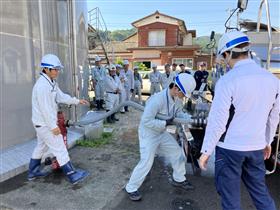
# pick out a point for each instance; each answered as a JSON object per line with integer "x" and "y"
{"x": 183, "y": 70}
{"x": 98, "y": 79}
{"x": 153, "y": 136}
{"x": 155, "y": 78}
{"x": 113, "y": 89}
{"x": 205, "y": 75}
{"x": 129, "y": 83}
{"x": 122, "y": 96}
{"x": 167, "y": 77}
{"x": 45, "y": 98}
{"x": 241, "y": 125}
{"x": 174, "y": 69}
{"x": 138, "y": 85}
{"x": 198, "y": 76}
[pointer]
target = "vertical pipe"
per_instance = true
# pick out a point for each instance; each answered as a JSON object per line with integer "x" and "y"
{"x": 269, "y": 35}
{"x": 260, "y": 16}
{"x": 41, "y": 28}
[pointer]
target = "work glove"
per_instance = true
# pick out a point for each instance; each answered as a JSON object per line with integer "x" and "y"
{"x": 131, "y": 90}
{"x": 169, "y": 121}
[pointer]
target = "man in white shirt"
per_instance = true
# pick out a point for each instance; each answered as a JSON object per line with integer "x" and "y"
{"x": 155, "y": 78}
{"x": 45, "y": 97}
{"x": 129, "y": 83}
{"x": 113, "y": 89}
{"x": 122, "y": 96}
{"x": 98, "y": 78}
{"x": 168, "y": 77}
{"x": 241, "y": 125}
{"x": 138, "y": 85}
{"x": 153, "y": 136}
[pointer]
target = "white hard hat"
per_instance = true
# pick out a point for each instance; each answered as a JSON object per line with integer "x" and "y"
{"x": 154, "y": 65}
{"x": 97, "y": 58}
{"x": 125, "y": 62}
{"x": 112, "y": 67}
{"x": 51, "y": 61}
{"x": 186, "y": 83}
{"x": 230, "y": 40}
{"x": 135, "y": 67}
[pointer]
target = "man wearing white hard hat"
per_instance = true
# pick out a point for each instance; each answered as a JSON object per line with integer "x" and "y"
{"x": 121, "y": 74}
{"x": 153, "y": 136}
{"x": 113, "y": 89}
{"x": 98, "y": 77}
{"x": 129, "y": 83}
{"x": 241, "y": 125}
{"x": 138, "y": 85}
{"x": 155, "y": 78}
{"x": 45, "y": 98}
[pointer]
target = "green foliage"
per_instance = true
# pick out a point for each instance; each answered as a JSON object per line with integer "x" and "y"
{"x": 202, "y": 41}
{"x": 119, "y": 35}
{"x": 119, "y": 61}
{"x": 142, "y": 66}
{"x": 103, "y": 140}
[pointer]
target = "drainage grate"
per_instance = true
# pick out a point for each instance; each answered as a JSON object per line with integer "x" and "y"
{"x": 181, "y": 204}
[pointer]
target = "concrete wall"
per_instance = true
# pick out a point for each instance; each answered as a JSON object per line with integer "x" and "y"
{"x": 29, "y": 29}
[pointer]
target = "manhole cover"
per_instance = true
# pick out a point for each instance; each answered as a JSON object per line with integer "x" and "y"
{"x": 181, "y": 204}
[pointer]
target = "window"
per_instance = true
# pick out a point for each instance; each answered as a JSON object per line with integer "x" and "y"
{"x": 188, "y": 62}
{"x": 157, "y": 38}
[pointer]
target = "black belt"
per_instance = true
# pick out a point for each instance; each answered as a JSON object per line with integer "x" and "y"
{"x": 38, "y": 126}
{"x": 112, "y": 92}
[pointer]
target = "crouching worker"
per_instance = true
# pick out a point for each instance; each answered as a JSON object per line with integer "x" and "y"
{"x": 153, "y": 136}
{"x": 113, "y": 89}
{"x": 45, "y": 96}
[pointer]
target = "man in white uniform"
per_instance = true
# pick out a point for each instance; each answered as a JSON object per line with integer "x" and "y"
{"x": 122, "y": 96}
{"x": 137, "y": 85}
{"x": 98, "y": 79}
{"x": 167, "y": 77}
{"x": 155, "y": 78}
{"x": 45, "y": 97}
{"x": 153, "y": 136}
{"x": 113, "y": 89}
{"x": 129, "y": 83}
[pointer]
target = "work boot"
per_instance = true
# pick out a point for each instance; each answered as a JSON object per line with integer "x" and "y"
{"x": 74, "y": 175}
{"x": 134, "y": 196}
{"x": 98, "y": 104}
{"x": 126, "y": 108}
{"x": 109, "y": 118}
{"x": 185, "y": 185}
{"x": 34, "y": 170}
{"x": 113, "y": 117}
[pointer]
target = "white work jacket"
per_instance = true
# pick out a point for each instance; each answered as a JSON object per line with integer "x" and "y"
{"x": 166, "y": 80}
{"x": 112, "y": 84}
{"x": 245, "y": 111}
{"x": 129, "y": 83}
{"x": 45, "y": 97}
{"x": 99, "y": 74}
{"x": 155, "y": 77}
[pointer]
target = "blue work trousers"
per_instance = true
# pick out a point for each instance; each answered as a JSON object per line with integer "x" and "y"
{"x": 232, "y": 166}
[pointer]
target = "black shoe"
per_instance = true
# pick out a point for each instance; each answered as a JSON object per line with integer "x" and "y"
{"x": 114, "y": 117}
{"x": 109, "y": 119}
{"x": 185, "y": 185}
{"x": 126, "y": 108}
{"x": 134, "y": 196}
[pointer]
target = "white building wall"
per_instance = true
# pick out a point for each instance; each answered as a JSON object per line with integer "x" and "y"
{"x": 23, "y": 40}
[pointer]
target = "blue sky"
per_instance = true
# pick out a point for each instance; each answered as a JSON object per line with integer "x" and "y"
{"x": 201, "y": 15}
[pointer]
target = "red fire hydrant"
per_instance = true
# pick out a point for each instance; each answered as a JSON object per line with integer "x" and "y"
{"x": 62, "y": 126}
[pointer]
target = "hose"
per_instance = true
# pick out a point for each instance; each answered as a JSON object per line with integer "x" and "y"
{"x": 88, "y": 119}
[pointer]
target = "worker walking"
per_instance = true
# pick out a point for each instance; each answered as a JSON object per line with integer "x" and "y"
{"x": 155, "y": 78}
{"x": 122, "y": 96}
{"x": 241, "y": 125}
{"x": 153, "y": 136}
{"x": 168, "y": 77}
{"x": 113, "y": 89}
{"x": 129, "y": 83}
{"x": 138, "y": 85}
{"x": 45, "y": 98}
{"x": 98, "y": 79}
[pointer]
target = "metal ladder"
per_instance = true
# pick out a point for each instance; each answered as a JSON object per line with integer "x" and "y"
{"x": 99, "y": 35}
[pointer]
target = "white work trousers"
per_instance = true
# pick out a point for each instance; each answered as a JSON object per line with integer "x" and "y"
{"x": 99, "y": 91}
{"x": 47, "y": 140}
{"x": 127, "y": 94}
{"x": 122, "y": 98}
{"x": 112, "y": 100}
{"x": 167, "y": 146}
{"x": 155, "y": 87}
{"x": 137, "y": 91}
